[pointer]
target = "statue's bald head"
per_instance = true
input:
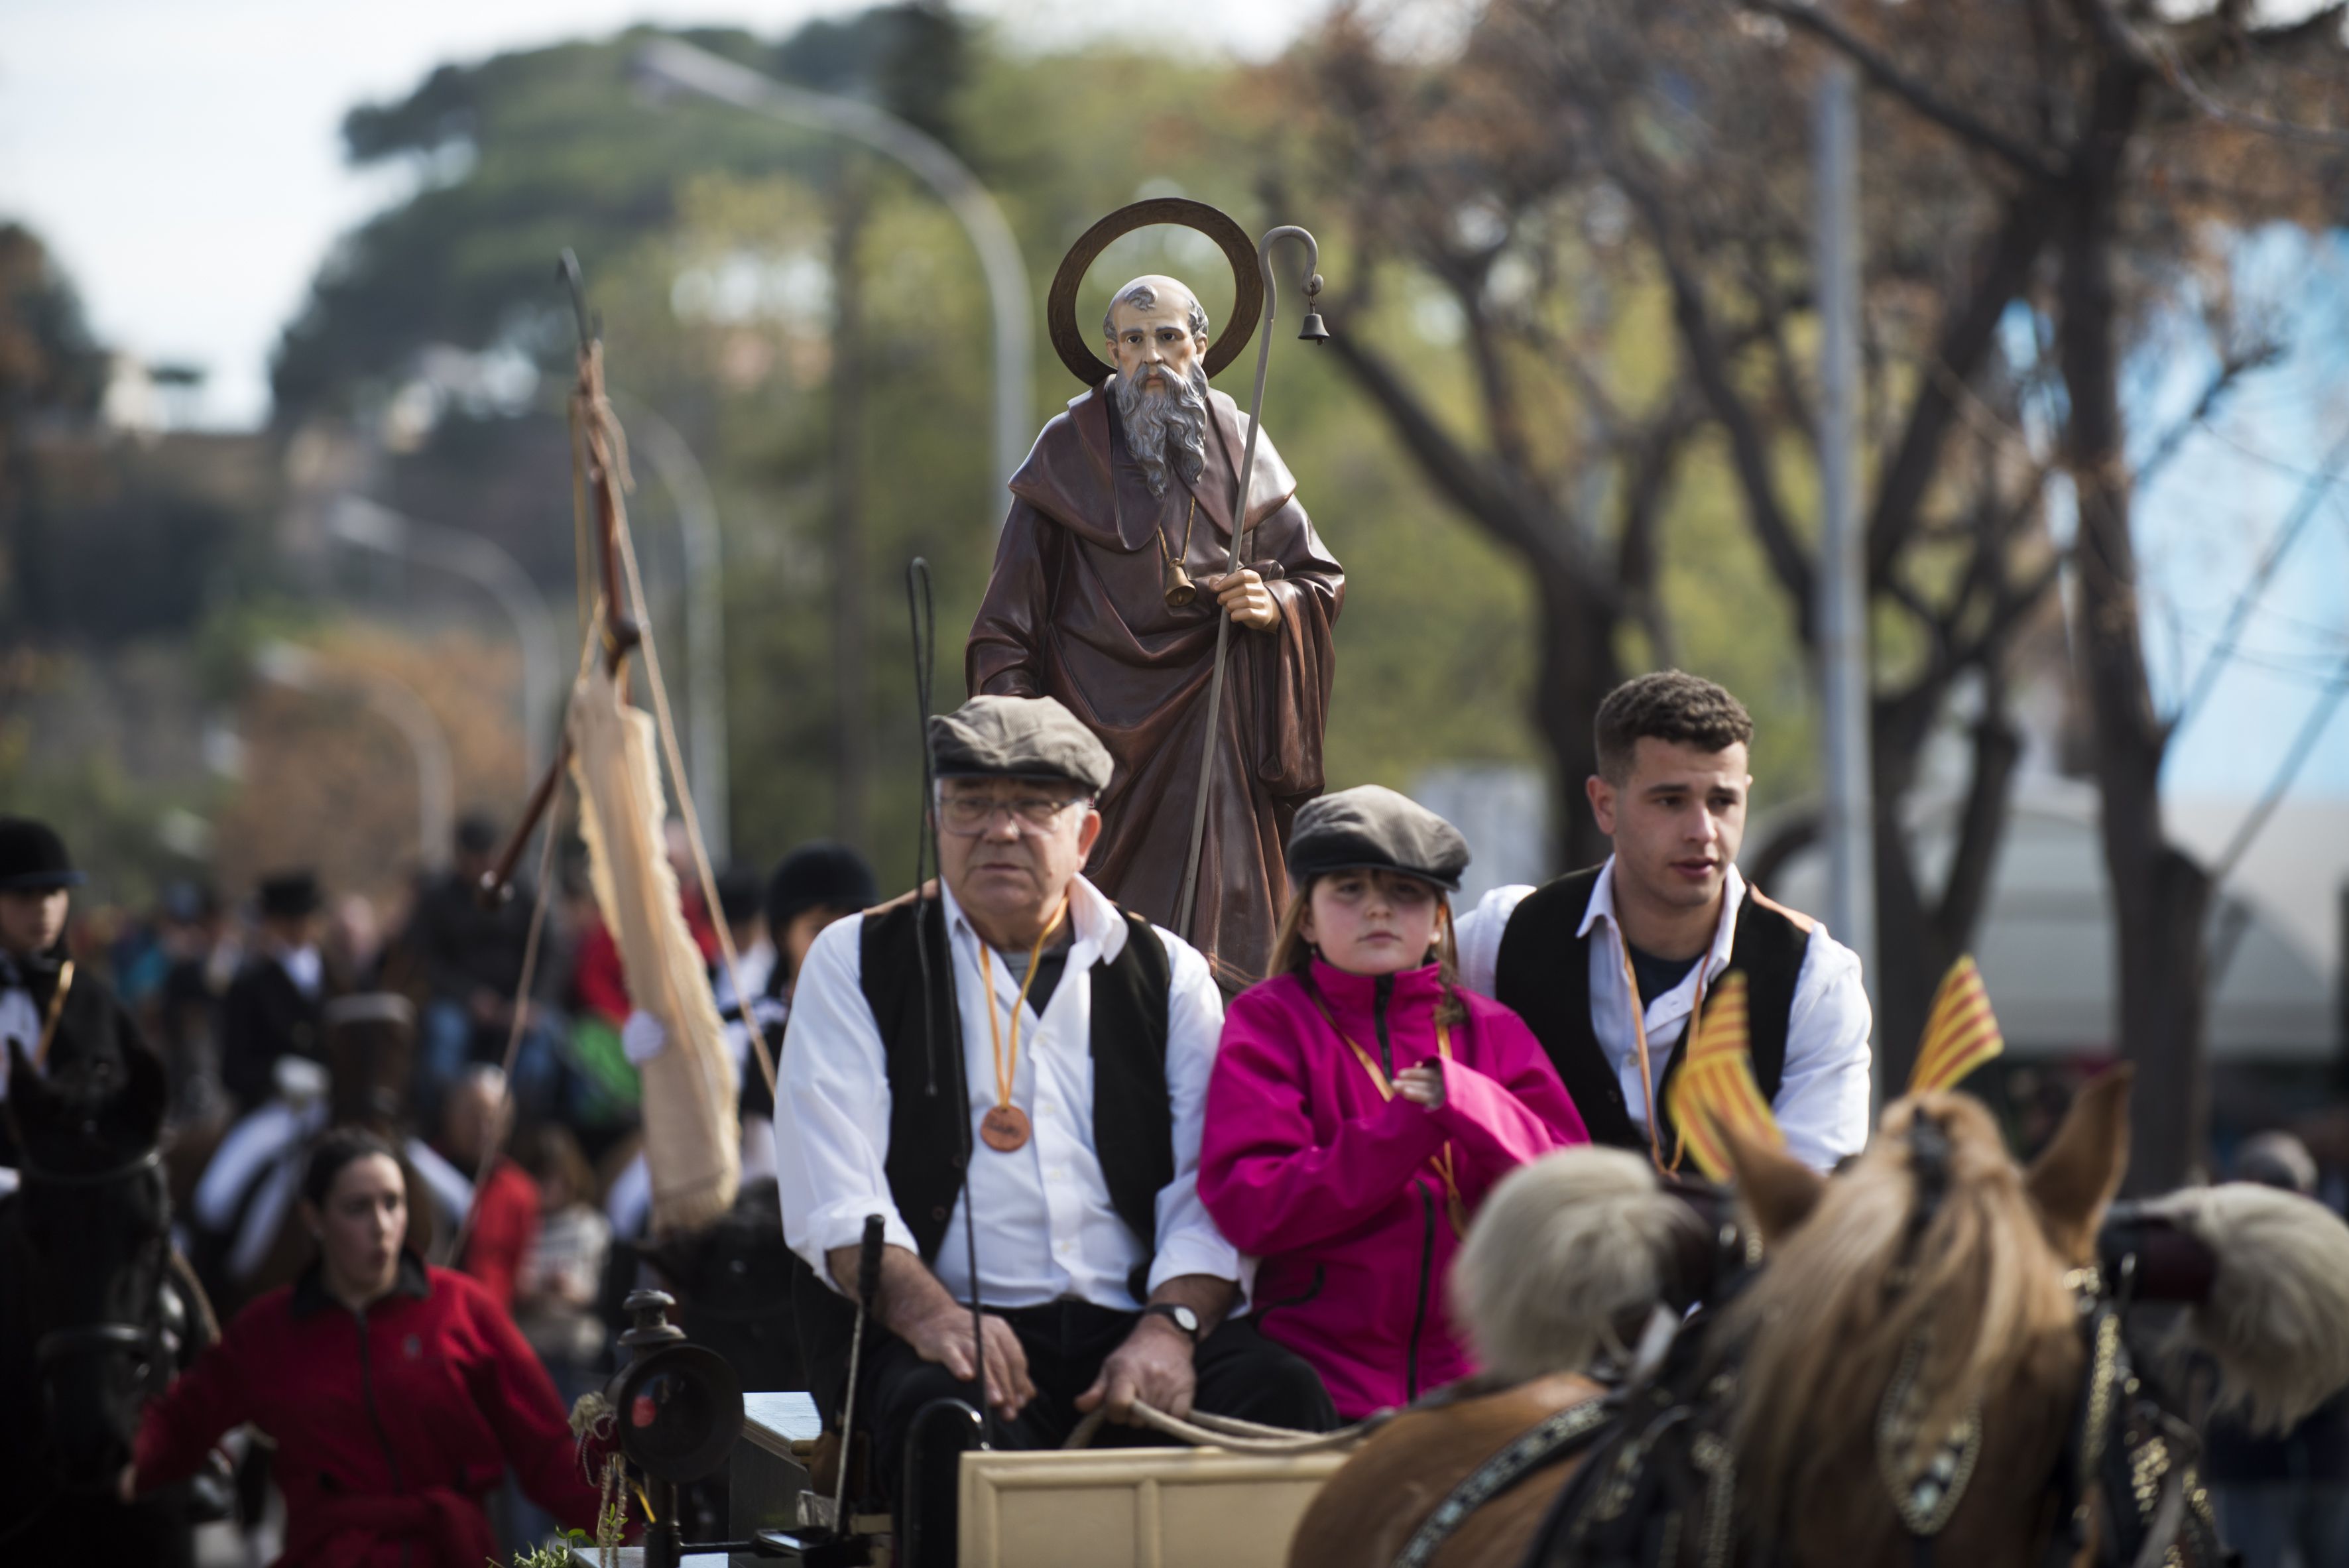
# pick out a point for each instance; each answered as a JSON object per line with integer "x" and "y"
{"x": 1152, "y": 299}
{"x": 1157, "y": 337}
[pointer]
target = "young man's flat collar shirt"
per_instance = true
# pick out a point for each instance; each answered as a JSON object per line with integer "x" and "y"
{"x": 1047, "y": 1230}
{"x": 1821, "y": 1100}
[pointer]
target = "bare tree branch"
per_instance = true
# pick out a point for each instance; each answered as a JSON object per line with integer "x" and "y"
{"x": 1749, "y": 450}
{"x": 2173, "y": 71}
{"x": 2164, "y": 59}
{"x": 1770, "y": 323}
{"x": 2312, "y": 493}
{"x": 2012, "y": 608}
{"x": 1967, "y": 335}
{"x": 2311, "y": 729}
{"x": 1653, "y": 466}
{"x": 1982, "y": 820}
{"x": 1470, "y": 482}
{"x": 2231, "y": 369}
{"x": 2022, "y": 156}
{"x": 1501, "y": 412}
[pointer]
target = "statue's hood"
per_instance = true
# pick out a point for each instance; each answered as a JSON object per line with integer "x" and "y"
{"x": 1069, "y": 475}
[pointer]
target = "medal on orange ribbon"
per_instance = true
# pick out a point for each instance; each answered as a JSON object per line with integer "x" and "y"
{"x": 1005, "y": 1127}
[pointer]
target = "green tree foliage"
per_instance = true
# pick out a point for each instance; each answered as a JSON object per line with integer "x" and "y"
{"x": 710, "y": 241}
{"x": 51, "y": 376}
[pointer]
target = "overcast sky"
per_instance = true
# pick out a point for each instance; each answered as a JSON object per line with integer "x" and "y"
{"x": 184, "y": 160}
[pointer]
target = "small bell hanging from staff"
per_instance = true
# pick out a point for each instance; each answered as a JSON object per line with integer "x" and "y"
{"x": 1157, "y": 574}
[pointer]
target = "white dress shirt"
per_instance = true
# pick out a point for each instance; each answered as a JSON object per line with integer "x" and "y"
{"x": 19, "y": 1021}
{"x": 305, "y": 968}
{"x": 1822, "y": 1100}
{"x": 1046, "y": 1230}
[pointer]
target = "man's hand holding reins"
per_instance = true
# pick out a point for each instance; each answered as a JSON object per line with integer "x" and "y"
{"x": 918, "y": 1310}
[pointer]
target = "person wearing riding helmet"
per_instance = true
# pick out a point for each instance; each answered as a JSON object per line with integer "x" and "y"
{"x": 1362, "y": 1104}
{"x": 396, "y": 1394}
{"x": 55, "y": 1012}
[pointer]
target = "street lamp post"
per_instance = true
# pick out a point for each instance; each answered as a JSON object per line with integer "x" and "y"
{"x": 298, "y": 669}
{"x": 668, "y": 62}
{"x": 682, "y": 476}
{"x": 369, "y": 525}
{"x": 1850, "y": 816}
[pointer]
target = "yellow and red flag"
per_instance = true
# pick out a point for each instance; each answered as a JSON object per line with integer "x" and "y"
{"x": 1714, "y": 1088}
{"x": 1961, "y": 1033}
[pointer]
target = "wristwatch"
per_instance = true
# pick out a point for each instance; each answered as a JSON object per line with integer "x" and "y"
{"x": 1175, "y": 1313}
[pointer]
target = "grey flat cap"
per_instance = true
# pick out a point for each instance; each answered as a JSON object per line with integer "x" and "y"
{"x": 1370, "y": 827}
{"x": 1017, "y": 738}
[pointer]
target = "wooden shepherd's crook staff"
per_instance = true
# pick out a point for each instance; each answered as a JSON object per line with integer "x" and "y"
{"x": 1313, "y": 332}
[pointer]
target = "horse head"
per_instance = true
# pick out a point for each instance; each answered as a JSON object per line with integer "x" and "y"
{"x": 1916, "y": 1359}
{"x": 371, "y": 1044}
{"x": 89, "y": 1250}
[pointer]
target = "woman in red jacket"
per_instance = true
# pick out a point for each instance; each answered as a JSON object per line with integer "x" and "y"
{"x": 398, "y": 1394}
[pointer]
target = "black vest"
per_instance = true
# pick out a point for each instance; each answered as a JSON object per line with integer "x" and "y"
{"x": 1542, "y": 974}
{"x": 929, "y": 1118}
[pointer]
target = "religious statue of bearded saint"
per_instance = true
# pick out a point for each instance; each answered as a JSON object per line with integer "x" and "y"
{"x": 1138, "y": 474}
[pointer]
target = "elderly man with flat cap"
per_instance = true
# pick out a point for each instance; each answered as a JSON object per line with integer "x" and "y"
{"x": 1073, "y": 1050}
{"x": 52, "y": 1014}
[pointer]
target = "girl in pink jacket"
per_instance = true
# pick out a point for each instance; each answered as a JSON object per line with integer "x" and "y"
{"x": 1362, "y": 1105}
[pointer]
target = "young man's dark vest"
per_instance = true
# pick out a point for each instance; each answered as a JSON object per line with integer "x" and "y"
{"x": 1543, "y": 974}
{"x": 1133, "y": 1121}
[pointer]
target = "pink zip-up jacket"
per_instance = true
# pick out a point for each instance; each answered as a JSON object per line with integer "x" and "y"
{"x": 1333, "y": 1188}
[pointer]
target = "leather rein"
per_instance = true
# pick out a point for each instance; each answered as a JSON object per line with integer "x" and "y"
{"x": 144, "y": 1341}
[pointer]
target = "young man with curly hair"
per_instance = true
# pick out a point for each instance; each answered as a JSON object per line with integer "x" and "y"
{"x": 1609, "y": 963}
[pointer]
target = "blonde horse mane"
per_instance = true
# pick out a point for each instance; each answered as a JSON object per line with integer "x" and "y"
{"x": 1565, "y": 1252}
{"x": 1827, "y": 1327}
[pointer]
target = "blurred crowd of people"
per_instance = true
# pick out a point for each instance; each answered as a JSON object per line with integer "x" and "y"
{"x": 289, "y": 1006}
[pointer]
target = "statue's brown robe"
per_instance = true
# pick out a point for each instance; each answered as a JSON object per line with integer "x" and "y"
{"x": 1076, "y": 610}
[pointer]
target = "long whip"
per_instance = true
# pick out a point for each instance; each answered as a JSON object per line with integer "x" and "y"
{"x": 921, "y": 611}
{"x": 1311, "y": 333}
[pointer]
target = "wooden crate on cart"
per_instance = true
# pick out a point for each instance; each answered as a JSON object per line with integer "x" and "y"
{"x": 1135, "y": 1508}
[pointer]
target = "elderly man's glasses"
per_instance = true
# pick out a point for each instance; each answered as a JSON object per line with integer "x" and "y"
{"x": 967, "y": 816}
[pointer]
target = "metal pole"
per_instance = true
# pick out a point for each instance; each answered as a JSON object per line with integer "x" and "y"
{"x": 370, "y": 525}
{"x": 681, "y": 474}
{"x": 1850, "y": 819}
{"x": 670, "y": 63}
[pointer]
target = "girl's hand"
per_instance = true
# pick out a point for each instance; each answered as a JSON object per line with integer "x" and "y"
{"x": 1422, "y": 1085}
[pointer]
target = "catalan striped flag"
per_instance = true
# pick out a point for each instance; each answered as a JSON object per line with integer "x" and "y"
{"x": 1961, "y": 1033}
{"x": 1714, "y": 1088}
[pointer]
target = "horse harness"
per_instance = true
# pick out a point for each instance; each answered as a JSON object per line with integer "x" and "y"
{"x": 167, "y": 1340}
{"x": 1660, "y": 1465}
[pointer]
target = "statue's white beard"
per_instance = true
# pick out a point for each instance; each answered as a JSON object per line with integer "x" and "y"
{"x": 1171, "y": 429}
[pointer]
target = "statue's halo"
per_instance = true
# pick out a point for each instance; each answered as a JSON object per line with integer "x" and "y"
{"x": 1075, "y": 347}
